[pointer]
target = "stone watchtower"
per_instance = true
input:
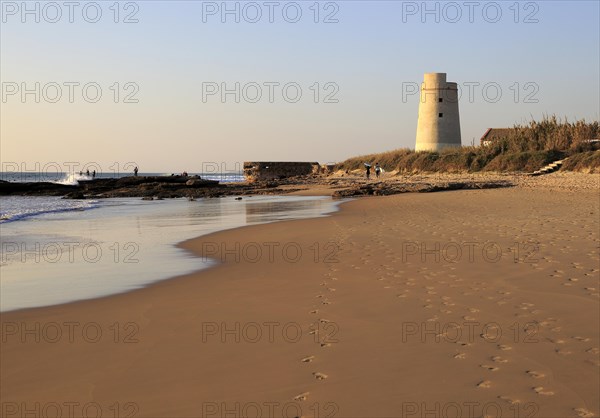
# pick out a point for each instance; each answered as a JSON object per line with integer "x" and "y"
{"x": 439, "y": 124}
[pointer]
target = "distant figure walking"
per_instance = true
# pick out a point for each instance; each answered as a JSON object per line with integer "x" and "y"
{"x": 94, "y": 174}
{"x": 87, "y": 172}
{"x": 135, "y": 171}
{"x": 368, "y": 166}
{"x": 377, "y": 170}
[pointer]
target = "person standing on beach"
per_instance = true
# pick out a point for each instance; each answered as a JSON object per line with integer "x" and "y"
{"x": 377, "y": 170}
{"x": 368, "y": 172}
{"x": 94, "y": 174}
{"x": 135, "y": 171}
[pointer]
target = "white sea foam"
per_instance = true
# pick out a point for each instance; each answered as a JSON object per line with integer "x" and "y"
{"x": 14, "y": 208}
{"x": 72, "y": 179}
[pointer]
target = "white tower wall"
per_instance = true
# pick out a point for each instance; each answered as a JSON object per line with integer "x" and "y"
{"x": 438, "y": 126}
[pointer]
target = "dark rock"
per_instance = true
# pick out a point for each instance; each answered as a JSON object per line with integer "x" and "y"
{"x": 383, "y": 189}
{"x": 35, "y": 189}
{"x": 169, "y": 186}
{"x": 74, "y": 195}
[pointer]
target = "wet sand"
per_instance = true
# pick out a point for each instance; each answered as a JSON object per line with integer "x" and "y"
{"x": 465, "y": 301}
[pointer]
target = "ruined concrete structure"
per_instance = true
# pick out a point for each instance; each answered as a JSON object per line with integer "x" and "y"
{"x": 273, "y": 170}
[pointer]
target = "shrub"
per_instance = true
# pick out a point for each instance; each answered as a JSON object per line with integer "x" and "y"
{"x": 523, "y": 148}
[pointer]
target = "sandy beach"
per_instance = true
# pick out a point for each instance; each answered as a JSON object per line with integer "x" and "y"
{"x": 464, "y": 303}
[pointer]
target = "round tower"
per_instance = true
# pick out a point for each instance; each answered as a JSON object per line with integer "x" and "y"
{"x": 438, "y": 126}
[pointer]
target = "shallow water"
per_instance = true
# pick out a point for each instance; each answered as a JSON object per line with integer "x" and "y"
{"x": 122, "y": 244}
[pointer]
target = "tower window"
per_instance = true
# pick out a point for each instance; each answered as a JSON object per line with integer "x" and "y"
{"x": 440, "y": 100}
{"x": 441, "y": 115}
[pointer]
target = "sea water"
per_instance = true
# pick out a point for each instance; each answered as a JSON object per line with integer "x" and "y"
{"x": 54, "y": 250}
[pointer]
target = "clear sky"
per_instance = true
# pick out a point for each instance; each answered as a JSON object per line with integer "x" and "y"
{"x": 513, "y": 61}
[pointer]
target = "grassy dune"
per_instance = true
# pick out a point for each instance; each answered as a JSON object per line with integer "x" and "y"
{"x": 525, "y": 148}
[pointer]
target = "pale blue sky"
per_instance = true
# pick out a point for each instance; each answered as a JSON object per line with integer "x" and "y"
{"x": 371, "y": 54}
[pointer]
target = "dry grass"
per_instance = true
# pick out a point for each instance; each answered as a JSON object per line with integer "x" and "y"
{"x": 525, "y": 148}
{"x": 587, "y": 162}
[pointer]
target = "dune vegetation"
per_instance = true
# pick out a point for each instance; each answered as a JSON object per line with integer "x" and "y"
{"x": 524, "y": 148}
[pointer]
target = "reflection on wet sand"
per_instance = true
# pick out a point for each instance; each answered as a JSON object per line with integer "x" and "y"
{"x": 270, "y": 211}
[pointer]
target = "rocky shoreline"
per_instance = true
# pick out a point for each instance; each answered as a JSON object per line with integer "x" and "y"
{"x": 338, "y": 185}
{"x": 166, "y": 187}
{"x": 146, "y": 187}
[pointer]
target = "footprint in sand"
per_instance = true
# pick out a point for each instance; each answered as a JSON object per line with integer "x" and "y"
{"x": 593, "y": 350}
{"x": 325, "y": 345}
{"x": 504, "y": 347}
{"x": 583, "y": 413}
{"x": 460, "y": 356}
{"x": 320, "y": 376}
{"x": 488, "y": 367}
{"x": 307, "y": 359}
{"x": 563, "y": 352}
{"x": 509, "y": 400}
{"x": 547, "y": 323}
{"x": 583, "y": 339}
{"x": 484, "y": 384}
{"x": 534, "y": 374}
{"x": 498, "y": 359}
{"x": 314, "y": 311}
{"x": 301, "y": 397}
{"x": 593, "y": 362}
{"x": 541, "y": 391}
